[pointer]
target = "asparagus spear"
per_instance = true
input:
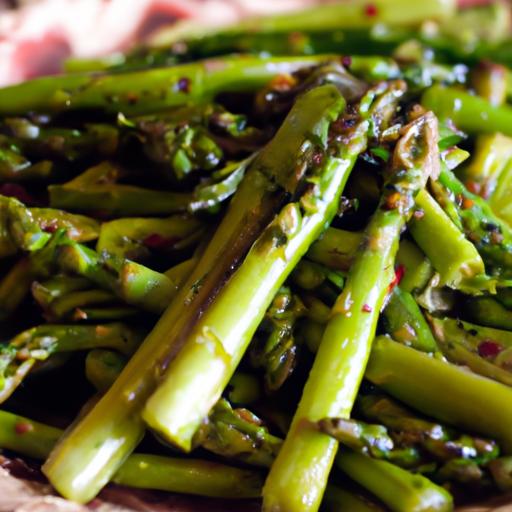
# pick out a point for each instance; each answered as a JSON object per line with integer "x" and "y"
{"x": 39, "y": 343}
{"x": 307, "y": 455}
{"x": 499, "y": 197}
{"x": 491, "y": 156}
{"x": 442, "y": 390}
{"x": 264, "y": 270}
{"x": 277, "y": 352}
{"x": 337, "y": 499}
{"x": 459, "y": 261}
{"x": 487, "y": 311}
{"x": 237, "y": 434}
{"x": 469, "y": 113}
{"x": 189, "y": 476}
{"x": 98, "y": 186}
{"x": 400, "y": 490}
{"x": 148, "y": 91}
{"x": 134, "y": 238}
{"x": 15, "y": 286}
{"x": 102, "y": 367}
{"x": 491, "y": 236}
{"x": 113, "y": 427}
{"x": 404, "y": 321}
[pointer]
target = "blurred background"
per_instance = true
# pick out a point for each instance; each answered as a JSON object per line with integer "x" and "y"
{"x": 36, "y": 36}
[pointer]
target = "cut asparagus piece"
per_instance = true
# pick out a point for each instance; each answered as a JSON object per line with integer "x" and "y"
{"x": 145, "y": 471}
{"x": 443, "y": 390}
{"x": 399, "y": 489}
{"x": 148, "y": 91}
{"x": 39, "y": 343}
{"x": 307, "y": 455}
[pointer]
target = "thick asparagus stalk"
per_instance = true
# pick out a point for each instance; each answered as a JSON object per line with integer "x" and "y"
{"x": 202, "y": 373}
{"x": 399, "y": 489}
{"x": 39, "y": 343}
{"x": 113, "y": 427}
{"x": 469, "y": 113}
{"x": 189, "y": 476}
{"x": 442, "y": 390}
{"x": 307, "y": 455}
{"x": 148, "y": 91}
{"x": 487, "y": 311}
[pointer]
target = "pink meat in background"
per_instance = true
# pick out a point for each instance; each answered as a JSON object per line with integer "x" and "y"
{"x": 37, "y": 37}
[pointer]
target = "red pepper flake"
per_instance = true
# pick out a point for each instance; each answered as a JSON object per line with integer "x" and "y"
{"x": 346, "y": 61}
{"x": 371, "y": 10}
{"x": 489, "y": 348}
{"x": 283, "y": 82}
{"x": 156, "y": 241}
{"x": 50, "y": 226}
{"x": 366, "y": 308}
{"x": 23, "y": 427}
{"x": 467, "y": 203}
{"x": 418, "y": 214}
{"x": 399, "y": 275}
{"x": 183, "y": 85}
{"x": 474, "y": 187}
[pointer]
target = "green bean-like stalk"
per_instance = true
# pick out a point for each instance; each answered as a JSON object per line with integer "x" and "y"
{"x": 144, "y": 471}
{"x": 307, "y": 454}
{"x": 442, "y": 390}
{"x": 151, "y": 90}
{"x": 91, "y": 453}
{"x": 399, "y": 489}
{"x": 38, "y": 343}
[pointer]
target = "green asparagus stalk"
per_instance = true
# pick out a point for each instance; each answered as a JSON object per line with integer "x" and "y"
{"x": 499, "y": 198}
{"x": 276, "y": 353}
{"x": 399, "y": 489}
{"x": 472, "y": 214}
{"x": 112, "y": 429}
{"x": 98, "y": 186}
{"x": 102, "y": 367}
{"x": 263, "y": 271}
{"x": 307, "y": 455}
{"x": 244, "y": 388}
{"x": 237, "y": 434}
{"x": 359, "y": 436}
{"x": 471, "y": 114}
{"x": 189, "y": 476}
{"x": 133, "y": 238}
{"x": 60, "y": 143}
{"x": 485, "y": 350}
{"x": 148, "y": 91}
{"x": 491, "y": 156}
{"x": 404, "y": 321}
{"x": 459, "y": 261}
{"x": 442, "y": 390}
{"x": 338, "y": 499}
{"x": 487, "y": 311}
{"x": 39, "y": 343}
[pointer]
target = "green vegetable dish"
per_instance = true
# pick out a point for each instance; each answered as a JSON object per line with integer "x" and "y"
{"x": 271, "y": 262}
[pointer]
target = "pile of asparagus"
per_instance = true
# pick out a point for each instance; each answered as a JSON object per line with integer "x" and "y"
{"x": 284, "y": 248}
